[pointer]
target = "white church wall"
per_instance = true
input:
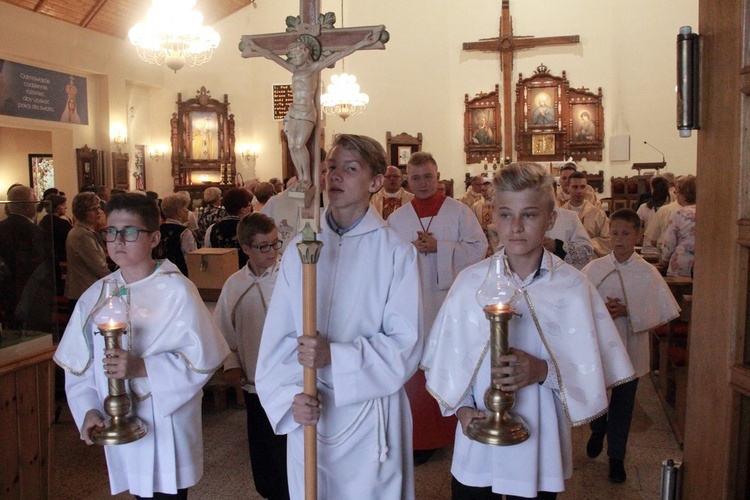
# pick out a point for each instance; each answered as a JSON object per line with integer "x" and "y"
{"x": 416, "y": 85}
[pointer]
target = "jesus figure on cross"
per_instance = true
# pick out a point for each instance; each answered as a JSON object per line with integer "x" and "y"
{"x": 305, "y": 63}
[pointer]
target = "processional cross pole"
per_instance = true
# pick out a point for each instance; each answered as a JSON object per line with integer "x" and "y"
{"x": 311, "y": 44}
{"x": 507, "y": 44}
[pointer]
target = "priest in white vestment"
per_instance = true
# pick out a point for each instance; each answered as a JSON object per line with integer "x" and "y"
{"x": 392, "y": 196}
{"x": 565, "y": 350}
{"x": 475, "y": 192}
{"x": 593, "y": 219}
{"x": 368, "y": 333}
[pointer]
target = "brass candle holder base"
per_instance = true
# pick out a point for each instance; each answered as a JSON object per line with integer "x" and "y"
{"x": 121, "y": 428}
{"x": 501, "y": 427}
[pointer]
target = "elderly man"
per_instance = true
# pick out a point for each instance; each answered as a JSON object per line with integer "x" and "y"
{"x": 392, "y": 196}
{"x": 593, "y": 219}
{"x": 475, "y": 192}
{"x": 448, "y": 237}
{"x": 563, "y": 190}
{"x": 26, "y": 267}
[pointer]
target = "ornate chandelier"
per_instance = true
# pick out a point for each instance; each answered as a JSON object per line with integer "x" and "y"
{"x": 343, "y": 97}
{"x": 174, "y": 34}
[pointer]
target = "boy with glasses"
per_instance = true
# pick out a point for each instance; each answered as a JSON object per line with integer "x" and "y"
{"x": 170, "y": 350}
{"x": 240, "y": 314}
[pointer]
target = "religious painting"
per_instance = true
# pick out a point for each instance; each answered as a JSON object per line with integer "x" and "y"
{"x": 41, "y": 173}
{"x": 400, "y": 148}
{"x": 482, "y": 139}
{"x": 586, "y": 124}
{"x": 203, "y": 144}
{"x": 541, "y": 116}
{"x": 139, "y": 167}
{"x": 584, "y": 128}
{"x": 203, "y": 135}
{"x": 404, "y": 153}
{"x": 542, "y": 110}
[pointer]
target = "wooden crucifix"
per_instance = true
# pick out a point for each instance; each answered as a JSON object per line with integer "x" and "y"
{"x": 311, "y": 44}
{"x": 507, "y": 44}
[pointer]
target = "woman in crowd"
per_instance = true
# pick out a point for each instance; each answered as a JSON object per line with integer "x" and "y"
{"x": 659, "y": 198}
{"x": 678, "y": 251}
{"x": 211, "y": 212}
{"x": 87, "y": 261}
{"x": 176, "y": 239}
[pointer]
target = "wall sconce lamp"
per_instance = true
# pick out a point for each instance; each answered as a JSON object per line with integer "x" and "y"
{"x": 249, "y": 152}
{"x": 119, "y": 138}
{"x": 157, "y": 153}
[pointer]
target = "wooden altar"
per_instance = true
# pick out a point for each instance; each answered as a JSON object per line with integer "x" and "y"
{"x": 203, "y": 144}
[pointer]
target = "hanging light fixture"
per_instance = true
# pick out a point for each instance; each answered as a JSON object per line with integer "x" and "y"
{"x": 173, "y": 34}
{"x": 343, "y": 97}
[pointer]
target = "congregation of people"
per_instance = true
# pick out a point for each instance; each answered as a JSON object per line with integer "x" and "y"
{"x": 401, "y": 349}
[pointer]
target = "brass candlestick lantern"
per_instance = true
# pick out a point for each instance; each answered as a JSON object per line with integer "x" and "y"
{"x": 501, "y": 427}
{"x": 111, "y": 318}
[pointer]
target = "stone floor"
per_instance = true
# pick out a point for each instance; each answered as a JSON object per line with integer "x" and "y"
{"x": 80, "y": 471}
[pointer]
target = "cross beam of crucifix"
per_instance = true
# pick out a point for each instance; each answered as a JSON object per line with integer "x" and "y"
{"x": 507, "y": 44}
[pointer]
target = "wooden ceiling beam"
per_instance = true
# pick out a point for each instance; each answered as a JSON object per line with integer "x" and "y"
{"x": 39, "y": 5}
{"x": 93, "y": 12}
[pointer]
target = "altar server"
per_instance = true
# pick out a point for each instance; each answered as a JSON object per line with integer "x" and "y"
{"x": 565, "y": 351}
{"x": 638, "y": 299}
{"x": 448, "y": 237}
{"x": 240, "y": 313}
{"x": 170, "y": 350}
{"x": 367, "y": 347}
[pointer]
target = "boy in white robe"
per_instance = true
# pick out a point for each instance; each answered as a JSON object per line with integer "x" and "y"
{"x": 368, "y": 343}
{"x": 565, "y": 351}
{"x": 170, "y": 350}
{"x": 240, "y": 313}
{"x": 638, "y": 300}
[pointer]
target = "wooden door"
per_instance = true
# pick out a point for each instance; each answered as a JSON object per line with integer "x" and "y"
{"x": 717, "y": 434}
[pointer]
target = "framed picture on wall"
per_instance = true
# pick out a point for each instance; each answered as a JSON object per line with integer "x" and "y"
{"x": 204, "y": 141}
{"x": 400, "y": 148}
{"x": 542, "y": 107}
{"x": 482, "y": 127}
{"x": 120, "y": 171}
{"x": 41, "y": 173}
{"x": 586, "y": 124}
{"x": 139, "y": 167}
{"x": 404, "y": 153}
{"x": 90, "y": 167}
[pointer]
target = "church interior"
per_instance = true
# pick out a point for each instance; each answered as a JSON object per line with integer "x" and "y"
{"x": 426, "y": 83}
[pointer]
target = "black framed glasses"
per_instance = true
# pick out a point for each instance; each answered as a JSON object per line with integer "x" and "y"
{"x": 128, "y": 234}
{"x": 267, "y": 248}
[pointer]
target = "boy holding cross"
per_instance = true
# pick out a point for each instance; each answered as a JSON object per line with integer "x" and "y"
{"x": 367, "y": 345}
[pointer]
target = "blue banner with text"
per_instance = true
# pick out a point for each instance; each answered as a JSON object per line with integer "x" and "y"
{"x": 43, "y": 94}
